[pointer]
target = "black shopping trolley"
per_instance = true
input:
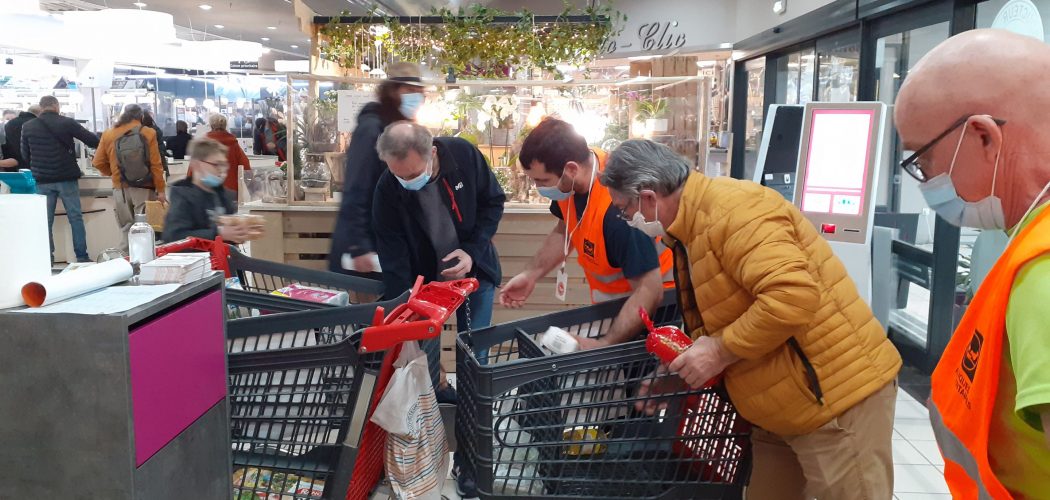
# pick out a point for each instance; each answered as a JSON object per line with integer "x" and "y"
{"x": 591, "y": 424}
{"x": 300, "y": 413}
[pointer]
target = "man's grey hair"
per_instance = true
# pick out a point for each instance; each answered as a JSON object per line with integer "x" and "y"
{"x": 401, "y": 137}
{"x": 640, "y": 164}
{"x": 49, "y": 102}
{"x": 35, "y": 109}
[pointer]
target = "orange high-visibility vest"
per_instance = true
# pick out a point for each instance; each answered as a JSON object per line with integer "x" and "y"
{"x": 606, "y": 282}
{"x": 965, "y": 382}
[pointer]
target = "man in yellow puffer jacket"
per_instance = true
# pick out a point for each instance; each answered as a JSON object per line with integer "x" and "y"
{"x": 769, "y": 304}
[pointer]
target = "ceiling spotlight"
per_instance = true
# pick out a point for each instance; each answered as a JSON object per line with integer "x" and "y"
{"x": 54, "y": 60}
{"x": 271, "y": 27}
{"x": 139, "y": 4}
{"x": 219, "y": 26}
{"x": 205, "y": 6}
{"x": 295, "y": 46}
{"x": 265, "y": 39}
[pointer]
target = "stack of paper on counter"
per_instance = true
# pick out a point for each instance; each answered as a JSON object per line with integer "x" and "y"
{"x": 176, "y": 268}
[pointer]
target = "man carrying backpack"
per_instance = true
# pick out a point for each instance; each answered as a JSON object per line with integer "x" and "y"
{"x": 129, "y": 153}
{"x": 47, "y": 150}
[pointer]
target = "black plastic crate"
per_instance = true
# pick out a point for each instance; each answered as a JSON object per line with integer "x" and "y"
{"x": 535, "y": 425}
{"x": 264, "y": 276}
{"x": 297, "y": 414}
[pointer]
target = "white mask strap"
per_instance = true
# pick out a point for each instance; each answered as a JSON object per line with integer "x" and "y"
{"x": 995, "y": 173}
{"x": 957, "y": 147}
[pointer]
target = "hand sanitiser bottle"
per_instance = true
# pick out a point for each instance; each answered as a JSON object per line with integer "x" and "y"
{"x": 141, "y": 242}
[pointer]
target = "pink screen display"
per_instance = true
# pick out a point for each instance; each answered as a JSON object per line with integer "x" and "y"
{"x": 837, "y": 161}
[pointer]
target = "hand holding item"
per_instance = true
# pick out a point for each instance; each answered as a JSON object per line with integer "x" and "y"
{"x": 703, "y": 362}
{"x": 366, "y": 263}
{"x": 460, "y": 270}
{"x": 234, "y": 233}
{"x": 666, "y": 342}
{"x": 162, "y": 198}
{"x": 517, "y": 291}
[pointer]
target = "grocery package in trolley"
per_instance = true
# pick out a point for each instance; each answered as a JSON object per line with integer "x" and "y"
{"x": 601, "y": 423}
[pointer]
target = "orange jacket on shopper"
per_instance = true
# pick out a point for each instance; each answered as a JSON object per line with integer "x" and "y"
{"x": 106, "y": 155}
{"x": 966, "y": 381}
{"x": 754, "y": 271}
{"x": 234, "y": 156}
{"x": 606, "y": 282}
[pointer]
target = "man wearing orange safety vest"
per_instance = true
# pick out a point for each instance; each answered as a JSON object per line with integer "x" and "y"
{"x": 617, "y": 259}
{"x": 982, "y": 157}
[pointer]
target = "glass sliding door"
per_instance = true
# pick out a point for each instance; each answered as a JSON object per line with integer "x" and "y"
{"x": 795, "y": 77}
{"x": 838, "y": 68}
{"x": 754, "y": 113}
{"x": 900, "y": 42}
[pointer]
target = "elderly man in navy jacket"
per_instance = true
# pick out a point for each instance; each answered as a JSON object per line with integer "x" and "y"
{"x": 434, "y": 213}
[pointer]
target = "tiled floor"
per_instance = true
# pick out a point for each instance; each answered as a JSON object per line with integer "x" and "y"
{"x": 917, "y": 464}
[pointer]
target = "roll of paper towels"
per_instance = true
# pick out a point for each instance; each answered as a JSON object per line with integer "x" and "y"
{"x": 25, "y": 253}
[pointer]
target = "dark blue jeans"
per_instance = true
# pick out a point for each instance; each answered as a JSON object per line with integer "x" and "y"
{"x": 69, "y": 192}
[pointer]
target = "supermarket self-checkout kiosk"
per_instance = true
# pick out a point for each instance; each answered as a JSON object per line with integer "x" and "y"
{"x": 835, "y": 171}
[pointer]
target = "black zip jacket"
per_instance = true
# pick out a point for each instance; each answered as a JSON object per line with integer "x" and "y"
{"x": 50, "y": 154}
{"x": 476, "y": 207}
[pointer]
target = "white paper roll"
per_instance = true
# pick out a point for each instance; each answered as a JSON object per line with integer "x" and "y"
{"x": 25, "y": 254}
{"x": 78, "y": 282}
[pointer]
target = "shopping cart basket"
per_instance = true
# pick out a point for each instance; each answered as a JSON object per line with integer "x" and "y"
{"x": 535, "y": 425}
{"x": 300, "y": 415}
{"x": 263, "y": 276}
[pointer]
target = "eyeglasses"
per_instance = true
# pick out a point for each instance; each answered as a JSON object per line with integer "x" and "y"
{"x": 623, "y": 211}
{"x": 220, "y": 166}
{"x": 911, "y": 164}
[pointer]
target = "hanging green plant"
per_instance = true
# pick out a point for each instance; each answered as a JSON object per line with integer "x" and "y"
{"x": 470, "y": 42}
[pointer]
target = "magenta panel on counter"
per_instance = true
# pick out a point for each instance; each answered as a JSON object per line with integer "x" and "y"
{"x": 178, "y": 372}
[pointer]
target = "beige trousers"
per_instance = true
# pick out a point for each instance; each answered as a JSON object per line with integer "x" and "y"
{"x": 849, "y": 458}
{"x": 128, "y": 202}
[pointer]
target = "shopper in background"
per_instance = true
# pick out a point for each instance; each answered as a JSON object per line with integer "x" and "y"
{"x": 9, "y": 114}
{"x": 13, "y": 132}
{"x": 275, "y": 136}
{"x": 353, "y": 240}
{"x": 259, "y": 141}
{"x": 149, "y": 121}
{"x": 617, "y": 260}
{"x": 131, "y": 199}
{"x": 770, "y": 305}
{"x": 48, "y": 150}
{"x": 178, "y": 143}
{"x": 981, "y": 156}
{"x": 235, "y": 155}
{"x": 198, "y": 200}
{"x": 435, "y": 213}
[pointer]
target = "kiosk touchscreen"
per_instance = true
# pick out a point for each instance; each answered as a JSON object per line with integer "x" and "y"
{"x": 778, "y": 153}
{"x": 838, "y": 164}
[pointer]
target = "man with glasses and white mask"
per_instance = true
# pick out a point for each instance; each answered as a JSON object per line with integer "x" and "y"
{"x": 769, "y": 305}
{"x": 618, "y": 261}
{"x": 199, "y": 200}
{"x": 982, "y": 157}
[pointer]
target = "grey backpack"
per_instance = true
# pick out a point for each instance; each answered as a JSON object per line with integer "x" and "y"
{"x": 133, "y": 158}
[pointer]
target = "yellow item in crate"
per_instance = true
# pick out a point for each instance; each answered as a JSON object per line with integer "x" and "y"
{"x": 587, "y": 434}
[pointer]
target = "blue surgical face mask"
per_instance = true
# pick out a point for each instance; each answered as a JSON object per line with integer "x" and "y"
{"x": 410, "y": 104}
{"x": 420, "y": 180}
{"x": 941, "y": 196}
{"x": 211, "y": 180}
{"x": 554, "y": 192}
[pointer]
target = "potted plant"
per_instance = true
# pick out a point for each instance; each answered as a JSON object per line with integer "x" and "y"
{"x": 498, "y": 113}
{"x": 651, "y": 111}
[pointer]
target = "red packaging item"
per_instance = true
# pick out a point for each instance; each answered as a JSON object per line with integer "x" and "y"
{"x": 666, "y": 342}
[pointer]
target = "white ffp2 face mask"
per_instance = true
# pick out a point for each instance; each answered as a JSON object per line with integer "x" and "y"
{"x": 941, "y": 196}
{"x": 652, "y": 229}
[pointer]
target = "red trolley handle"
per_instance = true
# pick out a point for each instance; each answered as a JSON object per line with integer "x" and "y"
{"x": 427, "y": 309}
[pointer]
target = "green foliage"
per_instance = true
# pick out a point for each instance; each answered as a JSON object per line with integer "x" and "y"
{"x": 470, "y": 42}
{"x": 652, "y": 108}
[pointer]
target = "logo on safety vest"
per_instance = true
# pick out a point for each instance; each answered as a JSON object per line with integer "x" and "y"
{"x": 968, "y": 367}
{"x": 973, "y": 355}
{"x": 588, "y": 248}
